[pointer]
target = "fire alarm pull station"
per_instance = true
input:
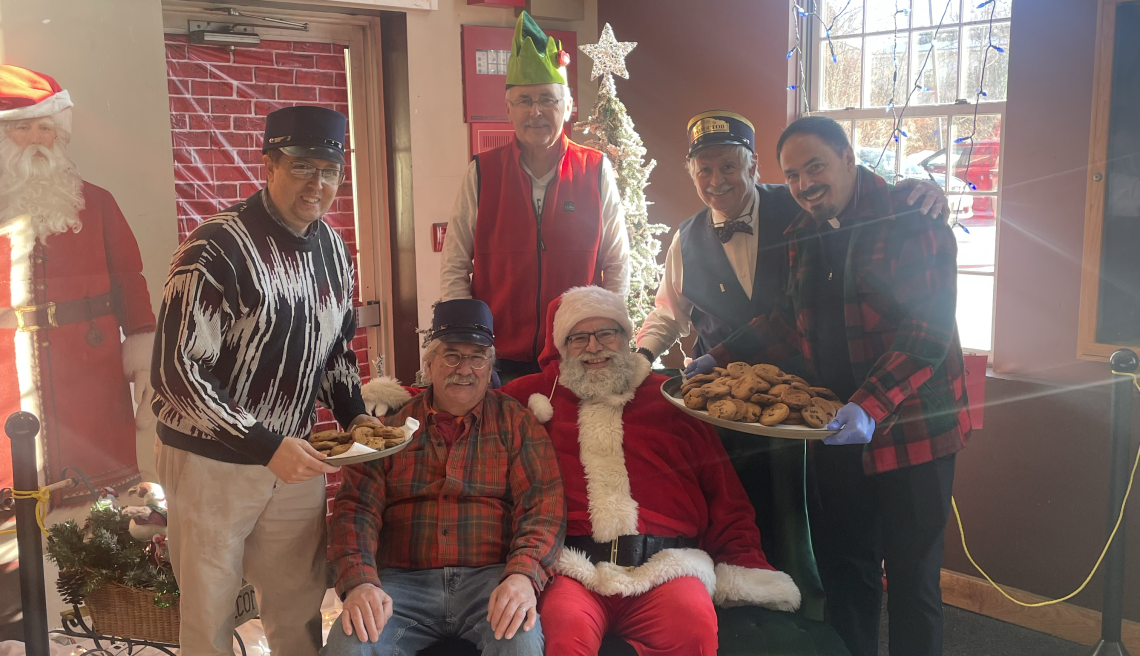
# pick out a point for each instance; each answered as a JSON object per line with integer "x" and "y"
{"x": 486, "y": 52}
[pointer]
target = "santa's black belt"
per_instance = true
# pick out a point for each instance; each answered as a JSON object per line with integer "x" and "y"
{"x": 628, "y": 550}
{"x": 30, "y": 318}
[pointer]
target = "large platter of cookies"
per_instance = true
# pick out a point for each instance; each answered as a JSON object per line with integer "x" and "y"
{"x": 364, "y": 443}
{"x": 759, "y": 399}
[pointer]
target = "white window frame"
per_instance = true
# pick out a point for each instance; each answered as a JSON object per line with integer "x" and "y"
{"x": 818, "y": 51}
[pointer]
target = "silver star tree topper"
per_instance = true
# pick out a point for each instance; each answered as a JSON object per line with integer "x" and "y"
{"x": 608, "y": 54}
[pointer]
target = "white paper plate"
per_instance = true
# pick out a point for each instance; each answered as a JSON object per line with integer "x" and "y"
{"x": 671, "y": 389}
{"x": 361, "y": 453}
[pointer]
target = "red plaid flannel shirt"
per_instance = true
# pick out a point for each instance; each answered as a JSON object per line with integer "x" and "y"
{"x": 494, "y": 497}
{"x": 900, "y": 289}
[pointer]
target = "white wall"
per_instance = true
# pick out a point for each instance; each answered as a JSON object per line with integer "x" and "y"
{"x": 439, "y": 136}
{"x": 109, "y": 55}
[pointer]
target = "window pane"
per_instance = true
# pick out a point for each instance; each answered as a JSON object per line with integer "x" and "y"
{"x": 1001, "y": 9}
{"x": 939, "y": 80}
{"x": 976, "y": 248}
{"x": 843, "y": 16}
{"x": 886, "y": 70}
{"x": 975, "y": 311}
{"x": 870, "y": 136}
{"x": 997, "y": 63}
{"x": 887, "y": 15}
{"x": 924, "y": 148}
{"x": 926, "y": 13}
{"x": 842, "y": 78}
{"x": 976, "y": 160}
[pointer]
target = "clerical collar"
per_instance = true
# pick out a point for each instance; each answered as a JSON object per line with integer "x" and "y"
{"x": 719, "y": 219}
{"x": 272, "y": 210}
{"x": 848, "y": 211}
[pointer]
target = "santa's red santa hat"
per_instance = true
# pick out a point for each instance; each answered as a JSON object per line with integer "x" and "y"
{"x": 26, "y": 94}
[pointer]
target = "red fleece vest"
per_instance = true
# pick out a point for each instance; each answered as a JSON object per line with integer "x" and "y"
{"x": 521, "y": 261}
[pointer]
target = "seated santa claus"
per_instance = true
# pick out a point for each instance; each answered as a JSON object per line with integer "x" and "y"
{"x": 659, "y": 528}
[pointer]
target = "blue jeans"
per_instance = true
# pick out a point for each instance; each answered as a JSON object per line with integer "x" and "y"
{"x": 432, "y": 604}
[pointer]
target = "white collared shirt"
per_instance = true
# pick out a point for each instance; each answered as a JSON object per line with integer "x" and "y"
{"x": 669, "y": 320}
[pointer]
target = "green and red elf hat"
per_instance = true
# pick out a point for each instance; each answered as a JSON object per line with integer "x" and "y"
{"x": 535, "y": 57}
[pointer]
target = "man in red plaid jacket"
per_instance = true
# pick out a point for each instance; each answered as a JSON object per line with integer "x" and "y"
{"x": 869, "y": 313}
{"x": 455, "y": 535}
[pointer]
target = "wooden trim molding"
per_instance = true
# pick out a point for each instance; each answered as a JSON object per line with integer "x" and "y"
{"x": 1087, "y": 346}
{"x": 1065, "y": 621}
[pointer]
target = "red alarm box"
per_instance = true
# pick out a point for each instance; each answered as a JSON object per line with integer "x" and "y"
{"x": 486, "y": 51}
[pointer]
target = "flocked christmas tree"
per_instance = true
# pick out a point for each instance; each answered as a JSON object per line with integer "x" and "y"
{"x": 610, "y": 130}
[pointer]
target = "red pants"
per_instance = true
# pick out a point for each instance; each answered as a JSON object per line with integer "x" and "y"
{"x": 676, "y": 618}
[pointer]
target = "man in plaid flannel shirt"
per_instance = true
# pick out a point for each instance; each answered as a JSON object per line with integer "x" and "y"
{"x": 869, "y": 313}
{"x": 454, "y": 536}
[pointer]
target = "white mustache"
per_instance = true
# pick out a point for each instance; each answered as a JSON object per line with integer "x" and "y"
{"x": 461, "y": 379}
{"x": 537, "y": 124}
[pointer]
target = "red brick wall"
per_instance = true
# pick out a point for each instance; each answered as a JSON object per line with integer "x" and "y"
{"x": 218, "y": 103}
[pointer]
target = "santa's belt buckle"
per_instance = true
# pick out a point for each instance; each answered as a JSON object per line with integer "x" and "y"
{"x": 614, "y": 551}
{"x": 26, "y": 327}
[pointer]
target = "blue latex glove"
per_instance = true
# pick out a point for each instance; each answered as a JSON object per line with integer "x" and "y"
{"x": 701, "y": 365}
{"x": 855, "y": 426}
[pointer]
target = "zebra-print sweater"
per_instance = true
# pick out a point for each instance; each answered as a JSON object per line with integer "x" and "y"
{"x": 256, "y": 324}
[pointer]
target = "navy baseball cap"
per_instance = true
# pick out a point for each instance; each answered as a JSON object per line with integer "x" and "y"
{"x": 306, "y": 131}
{"x": 463, "y": 320}
{"x": 718, "y": 127}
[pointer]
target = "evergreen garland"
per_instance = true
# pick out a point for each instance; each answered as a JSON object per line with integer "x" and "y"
{"x": 103, "y": 551}
{"x": 610, "y": 130}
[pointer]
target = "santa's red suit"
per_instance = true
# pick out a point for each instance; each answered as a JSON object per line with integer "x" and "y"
{"x": 79, "y": 288}
{"x": 633, "y": 464}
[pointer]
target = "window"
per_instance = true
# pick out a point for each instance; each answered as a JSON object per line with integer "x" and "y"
{"x": 922, "y": 61}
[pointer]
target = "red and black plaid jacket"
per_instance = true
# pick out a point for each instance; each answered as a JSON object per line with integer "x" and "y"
{"x": 899, "y": 293}
{"x": 494, "y": 497}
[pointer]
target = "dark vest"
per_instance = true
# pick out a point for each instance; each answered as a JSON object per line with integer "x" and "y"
{"x": 716, "y": 314}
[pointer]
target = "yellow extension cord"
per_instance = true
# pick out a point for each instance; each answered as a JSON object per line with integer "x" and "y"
{"x": 1111, "y": 536}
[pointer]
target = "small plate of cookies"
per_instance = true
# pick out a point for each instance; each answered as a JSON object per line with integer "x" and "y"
{"x": 364, "y": 443}
{"x": 759, "y": 399}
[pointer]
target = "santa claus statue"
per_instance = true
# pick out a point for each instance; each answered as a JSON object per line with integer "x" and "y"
{"x": 76, "y": 326}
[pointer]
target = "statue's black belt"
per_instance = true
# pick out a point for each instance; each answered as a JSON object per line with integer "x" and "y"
{"x": 30, "y": 318}
{"x": 628, "y": 550}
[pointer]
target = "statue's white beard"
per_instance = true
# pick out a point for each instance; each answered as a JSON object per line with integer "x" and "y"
{"x": 589, "y": 384}
{"x": 48, "y": 189}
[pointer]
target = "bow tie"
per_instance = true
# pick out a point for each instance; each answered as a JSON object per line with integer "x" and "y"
{"x": 726, "y": 231}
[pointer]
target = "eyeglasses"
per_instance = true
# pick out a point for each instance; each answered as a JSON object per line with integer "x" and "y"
{"x": 476, "y": 361}
{"x": 303, "y": 171}
{"x": 546, "y": 102}
{"x": 605, "y": 337}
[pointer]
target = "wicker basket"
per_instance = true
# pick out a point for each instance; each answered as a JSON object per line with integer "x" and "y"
{"x": 122, "y": 612}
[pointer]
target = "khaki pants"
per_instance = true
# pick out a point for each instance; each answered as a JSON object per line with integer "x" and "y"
{"x": 230, "y": 521}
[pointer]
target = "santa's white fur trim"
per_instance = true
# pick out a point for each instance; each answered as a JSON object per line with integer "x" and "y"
{"x": 744, "y": 586}
{"x": 580, "y": 303}
{"x": 383, "y": 394}
{"x": 540, "y": 406}
{"x": 137, "y": 351}
{"x": 608, "y": 579}
{"x": 57, "y": 102}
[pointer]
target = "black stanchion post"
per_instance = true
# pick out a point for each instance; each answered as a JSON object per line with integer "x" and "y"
{"x": 22, "y": 428}
{"x": 1110, "y": 643}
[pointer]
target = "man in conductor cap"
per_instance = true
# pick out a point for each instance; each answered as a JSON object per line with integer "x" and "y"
{"x": 255, "y": 326}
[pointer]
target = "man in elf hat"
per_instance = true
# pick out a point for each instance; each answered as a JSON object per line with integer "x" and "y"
{"x": 256, "y": 325}
{"x": 70, "y": 282}
{"x": 536, "y": 216}
{"x": 658, "y": 527}
{"x": 454, "y": 536}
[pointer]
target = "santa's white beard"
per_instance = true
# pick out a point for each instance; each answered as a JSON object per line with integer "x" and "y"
{"x": 47, "y": 189}
{"x": 588, "y": 384}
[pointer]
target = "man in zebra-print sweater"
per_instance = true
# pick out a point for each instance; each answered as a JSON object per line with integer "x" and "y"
{"x": 256, "y": 325}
